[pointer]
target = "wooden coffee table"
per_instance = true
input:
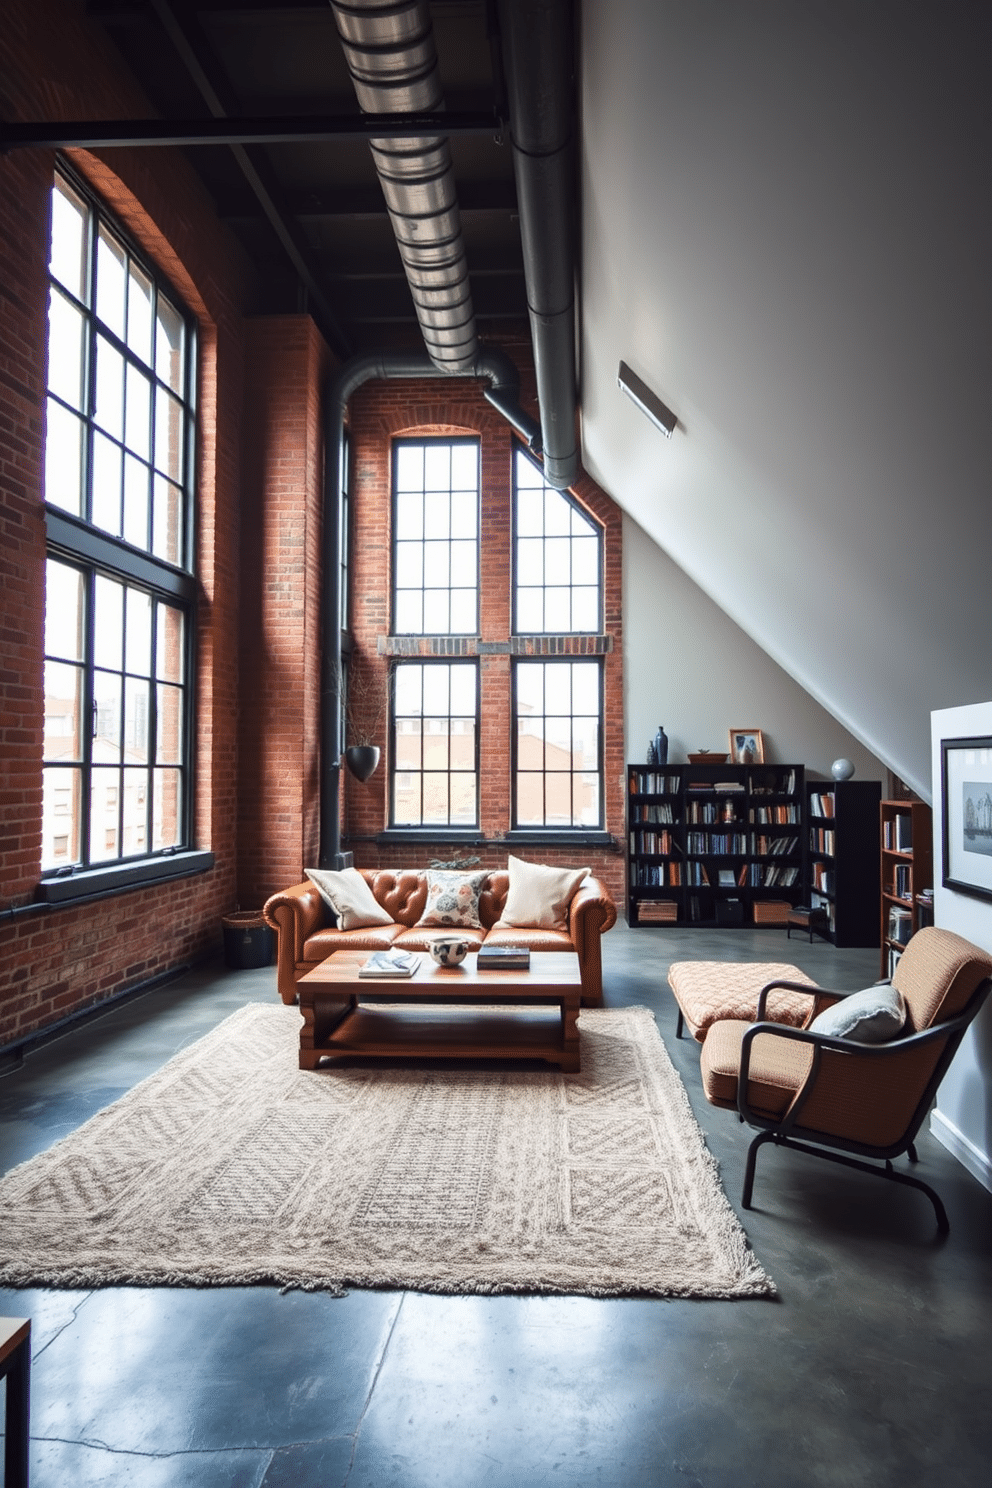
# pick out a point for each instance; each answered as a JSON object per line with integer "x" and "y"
{"x": 443, "y": 1012}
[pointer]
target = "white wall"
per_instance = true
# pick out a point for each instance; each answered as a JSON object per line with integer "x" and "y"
{"x": 689, "y": 667}
{"x": 786, "y": 231}
{"x": 963, "y": 1117}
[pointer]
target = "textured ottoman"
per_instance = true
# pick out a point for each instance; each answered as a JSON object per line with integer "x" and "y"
{"x": 707, "y": 991}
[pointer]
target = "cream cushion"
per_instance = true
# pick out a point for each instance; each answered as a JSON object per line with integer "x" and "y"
{"x": 347, "y": 893}
{"x": 539, "y": 896}
{"x": 870, "y": 1017}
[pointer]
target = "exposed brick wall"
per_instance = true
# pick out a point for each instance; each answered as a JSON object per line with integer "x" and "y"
{"x": 287, "y": 363}
{"x": 57, "y": 65}
{"x": 381, "y": 411}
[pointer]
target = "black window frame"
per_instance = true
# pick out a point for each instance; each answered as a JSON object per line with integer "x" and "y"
{"x": 426, "y": 441}
{"x": 519, "y": 452}
{"x": 78, "y": 542}
{"x": 433, "y": 828}
{"x": 544, "y": 831}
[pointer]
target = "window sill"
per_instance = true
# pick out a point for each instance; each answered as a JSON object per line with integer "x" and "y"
{"x": 120, "y": 878}
{"x": 465, "y": 836}
{"x": 566, "y": 836}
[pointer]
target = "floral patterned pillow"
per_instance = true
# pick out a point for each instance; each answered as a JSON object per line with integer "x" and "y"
{"x": 453, "y": 899}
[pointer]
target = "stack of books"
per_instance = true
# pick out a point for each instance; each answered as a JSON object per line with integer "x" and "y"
{"x": 503, "y": 958}
{"x": 657, "y": 912}
{"x": 389, "y": 964}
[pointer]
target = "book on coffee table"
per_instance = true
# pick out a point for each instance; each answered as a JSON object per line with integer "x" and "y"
{"x": 389, "y": 964}
{"x": 503, "y": 958}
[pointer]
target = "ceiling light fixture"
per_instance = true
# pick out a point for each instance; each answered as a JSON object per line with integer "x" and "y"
{"x": 648, "y": 402}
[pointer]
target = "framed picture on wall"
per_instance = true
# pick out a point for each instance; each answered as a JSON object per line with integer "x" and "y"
{"x": 747, "y": 747}
{"x": 966, "y": 798}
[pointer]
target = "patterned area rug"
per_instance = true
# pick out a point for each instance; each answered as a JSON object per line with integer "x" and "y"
{"x": 231, "y": 1166}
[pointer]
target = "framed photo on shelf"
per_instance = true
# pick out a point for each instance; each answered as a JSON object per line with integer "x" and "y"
{"x": 747, "y": 747}
{"x": 966, "y": 799}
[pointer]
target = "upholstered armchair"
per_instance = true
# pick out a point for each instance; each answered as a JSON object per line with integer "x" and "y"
{"x": 831, "y": 1097}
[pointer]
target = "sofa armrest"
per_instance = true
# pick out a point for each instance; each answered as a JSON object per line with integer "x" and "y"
{"x": 591, "y": 913}
{"x": 295, "y": 914}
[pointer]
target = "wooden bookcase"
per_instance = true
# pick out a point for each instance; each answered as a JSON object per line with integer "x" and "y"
{"x": 710, "y": 845}
{"x": 843, "y": 845}
{"x": 906, "y": 837}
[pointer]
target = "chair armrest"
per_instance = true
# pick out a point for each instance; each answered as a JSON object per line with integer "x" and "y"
{"x": 822, "y": 997}
{"x": 591, "y": 913}
{"x": 295, "y": 914}
{"x": 824, "y": 1043}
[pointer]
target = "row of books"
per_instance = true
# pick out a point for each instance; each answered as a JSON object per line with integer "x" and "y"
{"x": 716, "y": 844}
{"x": 822, "y": 878}
{"x": 897, "y": 834}
{"x": 774, "y": 815}
{"x": 660, "y": 812}
{"x": 821, "y": 840}
{"x": 902, "y": 881}
{"x": 821, "y": 805}
{"x": 644, "y": 840}
{"x": 654, "y": 783}
{"x": 716, "y": 787}
{"x": 704, "y": 811}
{"x": 656, "y": 875}
{"x": 774, "y": 847}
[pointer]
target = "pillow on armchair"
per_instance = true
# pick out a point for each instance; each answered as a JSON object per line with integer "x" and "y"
{"x": 538, "y": 896}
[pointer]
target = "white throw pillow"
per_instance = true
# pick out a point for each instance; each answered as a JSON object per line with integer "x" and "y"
{"x": 870, "y": 1017}
{"x": 348, "y": 894}
{"x": 538, "y": 896}
{"x": 453, "y": 899}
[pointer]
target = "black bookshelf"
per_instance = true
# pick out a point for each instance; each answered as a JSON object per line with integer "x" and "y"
{"x": 843, "y": 855}
{"x": 709, "y": 845}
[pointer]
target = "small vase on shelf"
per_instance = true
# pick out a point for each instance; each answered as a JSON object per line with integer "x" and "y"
{"x": 661, "y": 747}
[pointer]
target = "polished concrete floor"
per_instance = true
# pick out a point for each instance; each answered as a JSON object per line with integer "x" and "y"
{"x": 874, "y": 1366}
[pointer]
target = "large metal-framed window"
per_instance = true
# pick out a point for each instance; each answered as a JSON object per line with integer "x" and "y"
{"x": 557, "y": 764}
{"x": 120, "y": 596}
{"x": 435, "y": 732}
{"x": 557, "y": 558}
{"x": 435, "y": 537}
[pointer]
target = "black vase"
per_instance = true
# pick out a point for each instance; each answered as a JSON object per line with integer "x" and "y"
{"x": 361, "y": 760}
{"x": 661, "y": 747}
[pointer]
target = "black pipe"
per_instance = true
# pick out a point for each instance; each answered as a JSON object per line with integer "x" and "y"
{"x": 503, "y": 392}
{"x": 538, "y": 60}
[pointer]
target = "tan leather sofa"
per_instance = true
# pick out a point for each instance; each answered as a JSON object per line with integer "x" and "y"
{"x": 307, "y": 934}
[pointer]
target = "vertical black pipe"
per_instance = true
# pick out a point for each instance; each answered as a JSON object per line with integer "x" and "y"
{"x": 496, "y": 368}
{"x": 538, "y": 57}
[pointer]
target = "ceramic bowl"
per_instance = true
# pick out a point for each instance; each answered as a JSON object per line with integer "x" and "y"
{"x": 449, "y": 950}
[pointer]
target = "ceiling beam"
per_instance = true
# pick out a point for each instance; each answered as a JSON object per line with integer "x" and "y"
{"x": 102, "y": 134}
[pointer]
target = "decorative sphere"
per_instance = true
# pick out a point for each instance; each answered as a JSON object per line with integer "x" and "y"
{"x": 449, "y": 950}
{"x": 842, "y": 769}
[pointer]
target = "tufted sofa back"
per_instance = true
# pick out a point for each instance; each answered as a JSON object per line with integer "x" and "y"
{"x": 402, "y": 892}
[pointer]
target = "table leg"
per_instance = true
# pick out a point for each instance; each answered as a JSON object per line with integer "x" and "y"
{"x": 570, "y": 1039}
{"x": 321, "y": 1015}
{"x": 18, "y": 1413}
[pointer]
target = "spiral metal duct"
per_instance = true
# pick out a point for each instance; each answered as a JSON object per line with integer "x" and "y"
{"x": 389, "y": 48}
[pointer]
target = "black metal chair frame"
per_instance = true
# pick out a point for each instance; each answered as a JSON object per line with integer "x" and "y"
{"x": 786, "y": 1131}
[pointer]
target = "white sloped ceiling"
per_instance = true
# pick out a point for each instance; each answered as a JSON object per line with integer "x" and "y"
{"x": 787, "y": 232}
